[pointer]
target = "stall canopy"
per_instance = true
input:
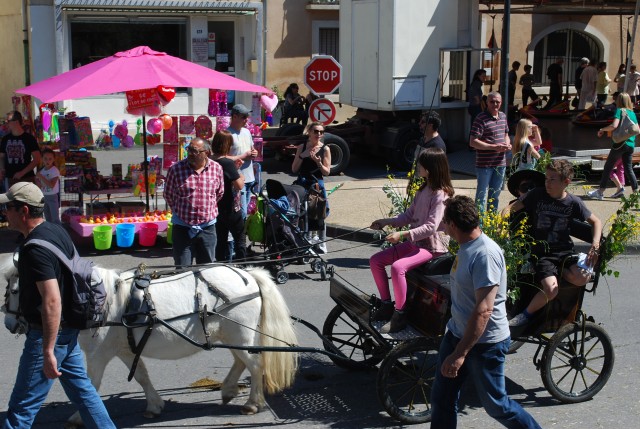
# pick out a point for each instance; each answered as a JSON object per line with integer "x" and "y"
{"x": 137, "y": 68}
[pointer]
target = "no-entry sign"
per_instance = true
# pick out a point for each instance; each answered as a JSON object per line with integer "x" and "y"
{"x": 323, "y": 75}
{"x": 323, "y": 111}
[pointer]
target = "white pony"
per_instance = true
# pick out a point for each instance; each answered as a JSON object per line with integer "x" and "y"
{"x": 179, "y": 297}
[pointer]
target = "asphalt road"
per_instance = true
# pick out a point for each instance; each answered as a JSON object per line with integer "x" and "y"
{"x": 326, "y": 396}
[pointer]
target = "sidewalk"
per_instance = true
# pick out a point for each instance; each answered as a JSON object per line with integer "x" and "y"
{"x": 359, "y": 202}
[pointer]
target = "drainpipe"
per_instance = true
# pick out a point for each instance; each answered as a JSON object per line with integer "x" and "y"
{"x": 264, "y": 43}
{"x": 504, "y": 61}
{"x": 25, "y": 43}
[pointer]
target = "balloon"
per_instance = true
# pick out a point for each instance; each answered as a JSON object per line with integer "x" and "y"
{"x": 138, "y": 139}
{"x": 154, "y": 125}
{"x": 166, "y": 93}
{"x": 269, "y": 102}
{"x": 115, "y": 140}
{"x": 125, "y": 123}
{"x": 167, "y": 121}
{"x": 46, "y": 120}
{"x": 139, "y": 123}
{"x": 128, "y": 141}
{"x": 121, "y": 131}
{"x": 112, "y": 124}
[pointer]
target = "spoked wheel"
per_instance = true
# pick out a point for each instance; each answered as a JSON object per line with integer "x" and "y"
{"x": 357, "y": 346}
{"x": 405, "y": 380}
{"x": 575, "y": 364}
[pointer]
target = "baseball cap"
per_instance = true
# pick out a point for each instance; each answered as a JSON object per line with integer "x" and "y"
{"x": 240, "y": 109}
{"x": 24, "y": 192}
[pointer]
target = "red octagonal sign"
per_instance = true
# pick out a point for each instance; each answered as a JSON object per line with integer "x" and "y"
{"x": 323, "y": 75}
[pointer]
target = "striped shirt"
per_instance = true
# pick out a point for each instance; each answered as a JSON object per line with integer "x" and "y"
{"x": 492, "y": 131}
{"x": 192, "y": 196}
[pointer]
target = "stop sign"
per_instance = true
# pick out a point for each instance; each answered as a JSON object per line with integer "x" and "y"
{"x": 323, "y": 75}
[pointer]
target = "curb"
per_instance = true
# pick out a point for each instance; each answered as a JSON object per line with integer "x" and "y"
{"x": 350, "y": 234}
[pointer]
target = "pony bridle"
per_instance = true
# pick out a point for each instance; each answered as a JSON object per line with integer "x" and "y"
{"x": 17, "y": 324}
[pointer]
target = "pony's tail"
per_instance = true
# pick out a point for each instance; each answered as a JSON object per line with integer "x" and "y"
{"x": 279, "y": 368}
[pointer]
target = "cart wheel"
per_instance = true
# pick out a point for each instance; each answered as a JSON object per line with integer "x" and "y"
{"x": 405, "y": 379}
{"x": 282, "y": 277}
{"x": 514, "y": 346}
{"x": 347, "y": 337}
{"x": 575, "y": 364}
{"x": 316, "y": 265}
{"x": 323, "y": 272}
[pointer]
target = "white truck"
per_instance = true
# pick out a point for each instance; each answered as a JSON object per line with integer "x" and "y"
{"x": 400, "y": 58}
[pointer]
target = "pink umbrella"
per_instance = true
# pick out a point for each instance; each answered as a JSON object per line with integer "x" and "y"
{"x": 137, "y": 68}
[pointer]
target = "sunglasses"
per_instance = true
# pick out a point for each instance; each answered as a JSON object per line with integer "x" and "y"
{"x": 194, "y": 151}
{"x": 318, "y": 132}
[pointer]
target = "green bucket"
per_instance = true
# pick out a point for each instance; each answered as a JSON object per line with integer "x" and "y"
{"x": 169, "y": 233}
{"x": 102, "y": 237}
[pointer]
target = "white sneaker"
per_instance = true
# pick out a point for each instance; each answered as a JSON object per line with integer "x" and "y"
{"x": 519, "y": 320}
{"x": 322, "y": 248}
{"x": 595, "y": 195}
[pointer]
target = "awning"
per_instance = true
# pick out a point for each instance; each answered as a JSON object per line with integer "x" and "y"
{"x": 159, "y": 6}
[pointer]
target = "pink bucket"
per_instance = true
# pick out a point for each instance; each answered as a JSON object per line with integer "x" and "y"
{"x": 148, "y": 234}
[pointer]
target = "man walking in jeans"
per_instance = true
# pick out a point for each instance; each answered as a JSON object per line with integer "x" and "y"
{"x": 477, "y": 337}
{"x": 51, "y": 348}
{"x": 490, "y": 138}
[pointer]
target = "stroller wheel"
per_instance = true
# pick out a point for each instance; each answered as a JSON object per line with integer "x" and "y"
{"x": 323, "y": 272}
{"x": 282, "y": 277}
{"x": 316, "y": 265}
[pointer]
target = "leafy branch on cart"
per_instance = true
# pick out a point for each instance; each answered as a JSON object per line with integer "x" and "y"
{"x": 624, "y": 231}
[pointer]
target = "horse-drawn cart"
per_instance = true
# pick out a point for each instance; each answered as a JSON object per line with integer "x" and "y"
{"x": 577, "y": 354}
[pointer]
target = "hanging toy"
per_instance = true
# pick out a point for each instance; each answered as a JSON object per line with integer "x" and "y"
{"x": 138, "y": 138}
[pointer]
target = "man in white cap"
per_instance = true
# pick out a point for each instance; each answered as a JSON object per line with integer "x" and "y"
{"x": 51, "y": 348}
{"x": 243, "y": 149}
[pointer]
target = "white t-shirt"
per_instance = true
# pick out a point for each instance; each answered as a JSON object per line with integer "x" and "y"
{"x": 242, "y": 142}
{"x": 50, "y": 174}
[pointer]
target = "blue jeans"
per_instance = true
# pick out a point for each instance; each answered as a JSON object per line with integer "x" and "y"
{"x": 202, "y": 246}
{"x": 32, "y": 387}
{"x": 484, "y": 365}
{"x": 245, "y": 197}
{"x": 490, "y": 180}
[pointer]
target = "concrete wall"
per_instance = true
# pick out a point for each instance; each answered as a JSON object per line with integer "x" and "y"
{"x": 11, "y": 45}
{"x": 289, "y": 29}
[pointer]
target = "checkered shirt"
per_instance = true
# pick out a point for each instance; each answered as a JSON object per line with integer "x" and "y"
{"x": 193, "y": 196}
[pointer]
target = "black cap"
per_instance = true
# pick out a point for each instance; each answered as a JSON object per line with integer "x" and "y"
{"x": 533, "y": 177}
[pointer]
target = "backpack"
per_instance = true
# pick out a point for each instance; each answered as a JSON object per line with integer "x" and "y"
{"x": 84, "y": 307}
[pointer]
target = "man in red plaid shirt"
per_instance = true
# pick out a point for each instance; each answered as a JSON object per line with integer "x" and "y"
{"x": 193, "y": 188}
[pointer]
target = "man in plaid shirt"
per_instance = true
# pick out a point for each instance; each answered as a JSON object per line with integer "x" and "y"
{"x": 193, "y": 188}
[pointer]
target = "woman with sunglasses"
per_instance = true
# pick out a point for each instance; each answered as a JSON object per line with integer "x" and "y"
{"x": 312, "y": 162}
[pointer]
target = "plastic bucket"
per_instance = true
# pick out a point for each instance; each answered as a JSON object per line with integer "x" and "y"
{"x": 148, "y": 234}
{"x": 125, "y": 232}
{"x": 102, "y": 236}
{"x": 169, "y": 233}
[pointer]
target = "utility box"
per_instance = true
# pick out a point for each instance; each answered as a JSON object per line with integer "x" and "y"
{"x": 391, "y": 51}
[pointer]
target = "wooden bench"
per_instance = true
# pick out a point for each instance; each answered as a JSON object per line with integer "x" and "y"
{"x": 603, "y": 157}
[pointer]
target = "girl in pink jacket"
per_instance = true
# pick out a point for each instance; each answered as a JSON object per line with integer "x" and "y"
{"x": 414, "y": 247}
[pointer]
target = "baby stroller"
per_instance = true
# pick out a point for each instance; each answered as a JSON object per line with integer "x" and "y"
{"x": 286, "y": 231}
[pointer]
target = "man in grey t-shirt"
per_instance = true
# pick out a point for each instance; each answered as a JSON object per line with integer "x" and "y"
{"x": 477, "y": 337}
